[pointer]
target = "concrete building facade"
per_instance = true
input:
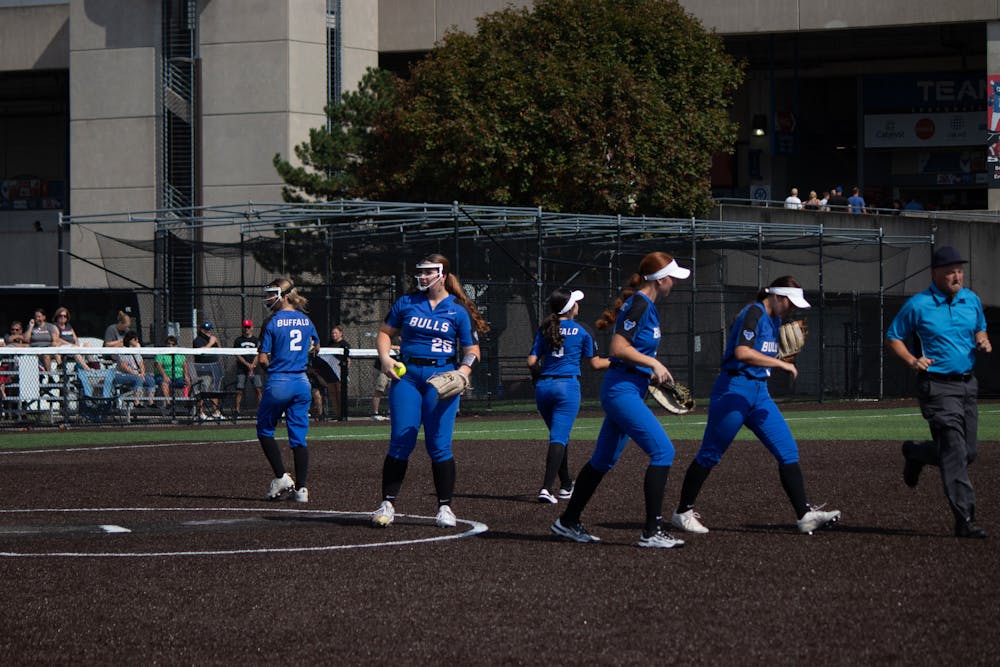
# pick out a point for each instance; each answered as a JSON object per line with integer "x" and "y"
{"x": 88, "y": 110}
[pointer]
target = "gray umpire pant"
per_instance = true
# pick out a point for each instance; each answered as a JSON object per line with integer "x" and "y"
{"x": 949, "y": 406}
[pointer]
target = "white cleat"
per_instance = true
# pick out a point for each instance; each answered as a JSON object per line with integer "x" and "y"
{"x": 545, "y": 496}
{"x": 280, "y": 486}
{"x": 660, "y": 540}
{"x": 445, "y": 517}
{"x": 300, "y": 495}
{"x": 815, "y": 519}
{"x": 384, "y": 515}
{"x": 688, "y": 522}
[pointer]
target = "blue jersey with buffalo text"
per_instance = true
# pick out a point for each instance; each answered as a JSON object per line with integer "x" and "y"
{"x": 287, "y": 337}
{"x": 430, "y": 332}
{"x": 577, "y": 344}
{"x": 756, "y": 329}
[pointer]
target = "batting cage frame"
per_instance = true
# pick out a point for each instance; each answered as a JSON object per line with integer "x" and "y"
{"x": 354, "y": 258}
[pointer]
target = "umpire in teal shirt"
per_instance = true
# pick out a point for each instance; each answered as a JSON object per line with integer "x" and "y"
{"x": 949, "y": 322}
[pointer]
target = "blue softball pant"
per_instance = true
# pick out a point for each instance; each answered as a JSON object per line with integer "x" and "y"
{"x": 627, "y": 416}
{"x": 287, "y": 393}
{"x": 413, "y": 402}
{"x": 738, "y": 401}
{"x": 558, "y": 401}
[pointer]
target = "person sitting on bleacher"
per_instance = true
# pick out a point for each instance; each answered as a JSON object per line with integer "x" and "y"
{"x": 130, "y": 371}
{"x": 43, "y": 334}
{"x": 15, "y": 335}
{"x": 208, "y": 368}
{"x": 172, "y": 372}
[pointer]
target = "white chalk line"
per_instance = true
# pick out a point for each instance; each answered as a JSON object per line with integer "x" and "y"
{"x": 475, "y": 528}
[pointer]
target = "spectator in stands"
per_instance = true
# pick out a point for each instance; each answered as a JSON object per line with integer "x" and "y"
{"x": 837, "y": 202}
{"x": 208, "y": 368}
{"x": 814, "y": 203}
{"x": 246, "y": 367}
{"x": 913, "y": 205}
{"x": 114, "y": 335}
{"x": 43, "y": 334}
{"x": 172, "y": 372}
{"x": 130, "y": 371}
{"x": 857, "y": 202}
{"x": 382, "y": 383}
{"x": 792, "y": 200}
{"x": 67, "y": 333}
{"x": 340, "y": 365}
{"x": 15, "y": 335}
{"x": 824, "y": 201}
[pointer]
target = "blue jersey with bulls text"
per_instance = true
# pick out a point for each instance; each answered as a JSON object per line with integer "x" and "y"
{"x": 754, "y": 328}
{"x": 431, "y": 332}
{"x": 577, "y": 344}
{"x": 287, "y": 337}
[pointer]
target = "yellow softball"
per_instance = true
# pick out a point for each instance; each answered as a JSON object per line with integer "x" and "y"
{"x": 399, "y": 368}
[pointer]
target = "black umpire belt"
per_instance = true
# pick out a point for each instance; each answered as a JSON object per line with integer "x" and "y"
{"x": 946, "y": 377}
{"x": 418, "y": 361}
{"x": 733, "y": 374}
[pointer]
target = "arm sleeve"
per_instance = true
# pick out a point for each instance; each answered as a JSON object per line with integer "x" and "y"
{"x": 748, "y": 328}
{"x": 628, "y": 323}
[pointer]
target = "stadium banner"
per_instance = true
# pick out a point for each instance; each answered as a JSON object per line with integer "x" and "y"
{"x": 923, "y": 130}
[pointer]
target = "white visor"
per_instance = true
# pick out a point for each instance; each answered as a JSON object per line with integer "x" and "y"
{"x": 794, "y": 295}
{"x": 673, "y": 269}
{"x": 577, "y": 295}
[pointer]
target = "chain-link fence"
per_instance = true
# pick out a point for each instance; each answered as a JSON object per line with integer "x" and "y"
{"x": 353, "y": 259}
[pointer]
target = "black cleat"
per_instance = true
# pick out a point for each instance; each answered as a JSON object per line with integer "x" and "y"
{"x": 965, "y": 528}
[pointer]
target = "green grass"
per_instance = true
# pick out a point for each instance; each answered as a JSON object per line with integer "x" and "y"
{"x": 853, "y": 424}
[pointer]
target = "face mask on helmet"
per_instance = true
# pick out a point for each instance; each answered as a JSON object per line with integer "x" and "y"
{"x": 272, "y": 297}
{"x": 428, "y": 273}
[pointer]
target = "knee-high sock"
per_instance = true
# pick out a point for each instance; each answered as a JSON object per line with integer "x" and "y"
{"x": 693, "y": 481}
{"x": 794, "y": 486}
{"x": 444, "y": 480}
{"x": 555, "y": 458}
{"x": 586, "y": 483}
{"x": 565, "y": 481}
{"x": 393, "y": 472}
{"x": 301, "y": 455}
{"x": 273, "y": 454}
{"x": 653, "y": 486}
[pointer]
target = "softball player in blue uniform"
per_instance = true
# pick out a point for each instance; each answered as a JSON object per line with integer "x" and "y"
{"x": 560, "y": 345}
{"x": 433, "y": 323}
{"x": 740, "y": 398}
{"x": 286, "y": 339}
{"x": 633, "y": 365}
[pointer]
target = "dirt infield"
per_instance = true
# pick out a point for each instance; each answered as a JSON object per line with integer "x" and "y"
{"x": 315, "y": 584}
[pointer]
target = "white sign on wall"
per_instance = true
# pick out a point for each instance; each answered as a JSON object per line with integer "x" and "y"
{"x": 908, "y": 130}
{"x": 760, "y": 193}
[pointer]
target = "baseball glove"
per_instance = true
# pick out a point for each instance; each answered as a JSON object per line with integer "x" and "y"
{"x": 449, "y": 383}
{"x": 673, "y": 397}
{"x": 791, "y": 339}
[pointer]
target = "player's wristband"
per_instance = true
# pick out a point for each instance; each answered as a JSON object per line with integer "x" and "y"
{"x": 469, "y": 360}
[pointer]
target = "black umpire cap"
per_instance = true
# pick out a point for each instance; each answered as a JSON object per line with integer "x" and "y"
{"x": 945, "y": 256}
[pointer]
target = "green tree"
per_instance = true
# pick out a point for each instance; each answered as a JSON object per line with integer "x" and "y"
{"x": 331, "y": 158}
{"x": 591, "y": 106}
